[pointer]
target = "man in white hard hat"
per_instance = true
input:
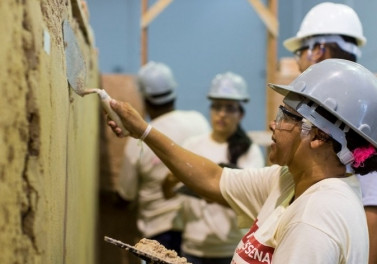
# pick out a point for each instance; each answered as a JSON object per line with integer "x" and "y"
{"x": 332, "y": 30}
{"x": 143, "y": 172}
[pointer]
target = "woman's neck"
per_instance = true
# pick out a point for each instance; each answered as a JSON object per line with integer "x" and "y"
{"x": 218, "y": 137}
{"x": 309, "y": 176}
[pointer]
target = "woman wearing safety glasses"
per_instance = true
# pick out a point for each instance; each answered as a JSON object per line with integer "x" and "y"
{"x": 210, "y": 232}
{"x": 307, "y": 207}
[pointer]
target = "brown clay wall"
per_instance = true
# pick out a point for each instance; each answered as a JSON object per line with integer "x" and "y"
{"x": 49, "y": 137}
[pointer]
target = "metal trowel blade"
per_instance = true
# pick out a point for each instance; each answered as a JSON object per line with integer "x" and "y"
{"x": 75, "y": 63}
{"x": 140, "y": 253}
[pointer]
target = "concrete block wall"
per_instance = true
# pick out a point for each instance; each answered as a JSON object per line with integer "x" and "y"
{"x": 49, "y": 137}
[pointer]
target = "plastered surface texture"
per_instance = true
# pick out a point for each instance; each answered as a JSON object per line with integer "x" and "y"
{"x": 48, "y": 138}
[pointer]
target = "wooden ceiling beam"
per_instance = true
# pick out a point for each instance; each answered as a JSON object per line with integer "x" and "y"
{"x": 153, "y": 12}
{"x": 268, "y": 17}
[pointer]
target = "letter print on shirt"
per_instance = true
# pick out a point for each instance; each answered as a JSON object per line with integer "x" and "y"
{"x": 250, "y": 250}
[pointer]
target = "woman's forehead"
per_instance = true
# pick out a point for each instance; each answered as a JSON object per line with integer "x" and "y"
{"x": 224, "y": 101}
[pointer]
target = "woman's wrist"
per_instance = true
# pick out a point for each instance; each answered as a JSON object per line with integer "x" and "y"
{"x": 146, "y": 132}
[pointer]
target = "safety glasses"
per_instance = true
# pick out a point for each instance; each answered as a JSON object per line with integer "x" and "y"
{"x": 286, "y": 120}
{"x": 298, "y": 52}
{"x": 227, "y": 108}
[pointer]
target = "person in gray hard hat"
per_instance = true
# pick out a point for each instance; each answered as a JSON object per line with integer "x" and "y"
{"x": 142, "y": 171}
{"x": 306, "y": 208}
{"x": 331, "y": 30}
{"x": 210, "y": 232}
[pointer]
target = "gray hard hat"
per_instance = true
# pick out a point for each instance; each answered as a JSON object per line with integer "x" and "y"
{"x": 346, "y": 90}
{"x": 228, "y": 86}
{"x": 157, "y": 83}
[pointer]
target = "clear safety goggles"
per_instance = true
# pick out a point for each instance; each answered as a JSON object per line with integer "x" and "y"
{"x": 310, "y": 42}
{"x": 286, "y": 120}
{"x": 226, "y": 108}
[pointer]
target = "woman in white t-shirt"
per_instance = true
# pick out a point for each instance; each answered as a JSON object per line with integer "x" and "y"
{"x": 307, "y": 208}
{"x": 211, "y": 233}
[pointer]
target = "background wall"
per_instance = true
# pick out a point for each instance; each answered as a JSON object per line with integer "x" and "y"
{"x": 197, "y": 39}
{"x": 48, "y": 137}
{"x": 201, "y": 38}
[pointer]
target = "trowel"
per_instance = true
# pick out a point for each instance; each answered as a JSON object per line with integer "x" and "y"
{"x": 146, "y": 256}
{"x": 76, "y": 74}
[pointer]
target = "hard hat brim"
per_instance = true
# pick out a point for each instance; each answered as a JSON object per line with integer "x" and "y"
{"x": 286, "y": 89}
{"x": 219, "y": 97}
{"x": 294, "y": 43}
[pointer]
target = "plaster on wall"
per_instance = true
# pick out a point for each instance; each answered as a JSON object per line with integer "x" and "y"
{"x": 48, "y": 138}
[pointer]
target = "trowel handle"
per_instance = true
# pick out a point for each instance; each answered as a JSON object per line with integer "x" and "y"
{"x": 105, "y": 101}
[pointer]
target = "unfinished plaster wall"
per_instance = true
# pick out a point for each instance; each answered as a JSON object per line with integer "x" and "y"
{"x": 48, "y": 137}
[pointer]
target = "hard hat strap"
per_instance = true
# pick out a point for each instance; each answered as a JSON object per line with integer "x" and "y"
{"x": 337, "y": 130}
{"x": 306, "y": 126}
{"x": 332, "y": 129}
{"x": 344, "y": 45}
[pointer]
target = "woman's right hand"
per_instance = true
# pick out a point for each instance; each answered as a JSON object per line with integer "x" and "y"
{"x": 130, "y": 118}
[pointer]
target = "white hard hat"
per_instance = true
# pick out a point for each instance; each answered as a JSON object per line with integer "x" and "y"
{"x": 346, "y": 90}
{"x": 157, "y": 83}
{"x": 229, "y": 86}
{"x": 328, "y": 19}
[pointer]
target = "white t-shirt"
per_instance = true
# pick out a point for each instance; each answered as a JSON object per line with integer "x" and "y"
{"x": 143, "y": 173}
{"x": 326, "y": 224}
{"x": 368, "y": 185}
{"x": 210, "y": 229}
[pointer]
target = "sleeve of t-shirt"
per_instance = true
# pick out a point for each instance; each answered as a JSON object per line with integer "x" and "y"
{"x": 368, "y": 184}
{"x": 303, "y": 243}
{"x": 128, "y": 176}
{"x": 247, "y": 190}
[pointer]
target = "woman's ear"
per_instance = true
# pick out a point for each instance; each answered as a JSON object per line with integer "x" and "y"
{"x": 316, "y": 143}
{"x": 320, "y": 138}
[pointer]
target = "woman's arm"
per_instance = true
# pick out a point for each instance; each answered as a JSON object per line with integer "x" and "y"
{"x": 198, "y": 173}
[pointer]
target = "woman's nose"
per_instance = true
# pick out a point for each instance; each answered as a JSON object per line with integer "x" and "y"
{"x": 272, "y": 125}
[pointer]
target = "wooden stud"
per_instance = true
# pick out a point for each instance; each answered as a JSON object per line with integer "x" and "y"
{"x": 153, "y": 12}
{"x": 267, "y": 15}
{"x": 144, "y": 35}
{"x": 271, "y": 65}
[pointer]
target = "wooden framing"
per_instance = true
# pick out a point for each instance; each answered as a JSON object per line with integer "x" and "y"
{"x": 271, "y": 65}
{"x": 267, "y": 14}
{"x": 148, "y": 15}
{"x": 144, "y": 34}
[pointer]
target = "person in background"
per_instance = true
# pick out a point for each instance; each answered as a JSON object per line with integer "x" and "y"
{"x": 143, "y": 172}
{"x": 332, "y": 30}
{"x": 328, "y": 30}
{"x": 211, "y": 233}
{"x": 306, "y": 208}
